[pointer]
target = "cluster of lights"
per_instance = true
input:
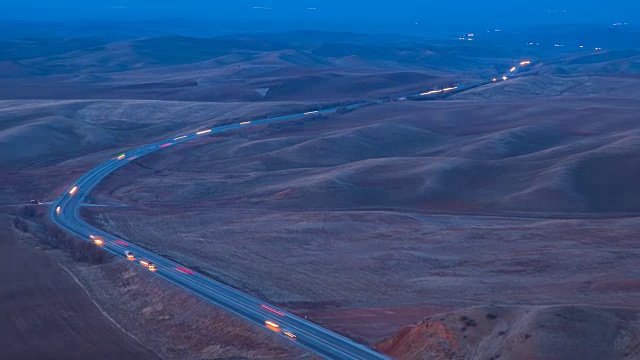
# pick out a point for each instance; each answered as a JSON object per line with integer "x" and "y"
{"x": 561, "y": 45}
{"x": 469, "y": 36}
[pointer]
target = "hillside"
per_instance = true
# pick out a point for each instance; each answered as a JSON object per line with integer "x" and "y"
{"x": 499, "y": 158}
{"x": 521, "y": 192}
{"x": 514, "y": 333}
{"x": 239, "y": 68}
{"x": 404, "y": 205}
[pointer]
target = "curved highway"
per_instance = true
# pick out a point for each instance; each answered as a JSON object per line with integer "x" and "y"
{"x": 65, "y": 212}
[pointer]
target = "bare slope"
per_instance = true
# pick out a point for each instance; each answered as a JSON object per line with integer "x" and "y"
{"x": 47, "y": 145}
{"x": 176, "y": 324}
{"x": 338, "y": 213}
{"x": 49, "y": 132}
{"x": 492, "y": 332}
{"x": 45, "y": 314}
{"x": 231, "y": 68}
{"x": 502, "y": 158}
{"x": 336, "y": 217}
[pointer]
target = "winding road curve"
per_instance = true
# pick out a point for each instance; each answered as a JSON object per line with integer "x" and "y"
{"x": 65, "y": 213}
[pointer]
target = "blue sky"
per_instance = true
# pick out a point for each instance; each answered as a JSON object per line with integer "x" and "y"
{"x": 336, "y": 14}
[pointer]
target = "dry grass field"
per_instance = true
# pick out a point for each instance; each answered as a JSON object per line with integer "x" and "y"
{"x": 507, "y": 214}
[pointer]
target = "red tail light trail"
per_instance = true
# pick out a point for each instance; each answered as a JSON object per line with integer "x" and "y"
{"x": 272, "y": 310}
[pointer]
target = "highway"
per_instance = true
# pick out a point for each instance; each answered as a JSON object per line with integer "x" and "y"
{"x": 65, "y": 212}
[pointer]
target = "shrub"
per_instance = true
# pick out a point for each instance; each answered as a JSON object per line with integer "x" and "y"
{"x": 27, "y": 212}
{"x": 468, "y": 321}
{"x": 53, "y": 237}
{"x": 87, "y": 252}
{"x": 79, "y": 250}
{"x": 20, "y": 225}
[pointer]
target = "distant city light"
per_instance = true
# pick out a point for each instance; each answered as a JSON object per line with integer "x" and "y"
{"x": 504, "y": 78}
{"x": 513, "y": 69}
{"x": 525, "y": 62}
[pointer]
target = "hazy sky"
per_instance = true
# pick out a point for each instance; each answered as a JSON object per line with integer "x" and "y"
{"x": 336, "y": 14}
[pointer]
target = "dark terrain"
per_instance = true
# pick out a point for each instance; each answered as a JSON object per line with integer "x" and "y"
{"x": 45, "y": 313}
